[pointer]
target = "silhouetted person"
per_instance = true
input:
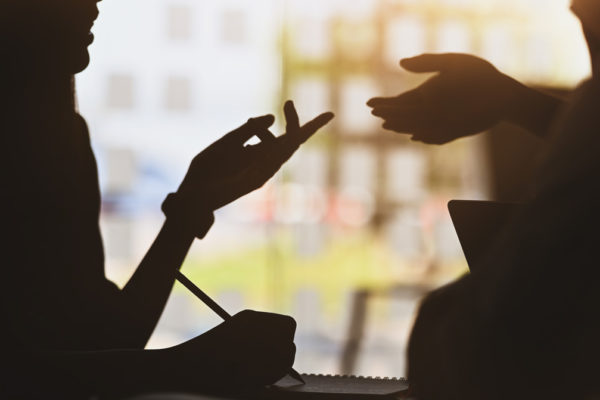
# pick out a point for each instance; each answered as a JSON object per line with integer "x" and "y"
{"x": 66, "y": 330}
{"x": 527, "y": 323}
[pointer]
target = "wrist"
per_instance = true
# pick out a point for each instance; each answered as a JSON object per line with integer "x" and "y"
{"x": 187, "y": 215}
{"x": 163, "y": 373}
{"x": 515, "y": 100}
{"x": 532, "y": 110}
{"x": 186, "y": 369}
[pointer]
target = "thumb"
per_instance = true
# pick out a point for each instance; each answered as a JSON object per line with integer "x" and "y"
{"x": 429, "y": 62}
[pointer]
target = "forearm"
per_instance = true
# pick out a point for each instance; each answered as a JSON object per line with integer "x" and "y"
{"x": 82, "y": 374}
{"x": 534, "y": 110}
{"x": 146, "y": 293}
{"x": 197, "y": 366}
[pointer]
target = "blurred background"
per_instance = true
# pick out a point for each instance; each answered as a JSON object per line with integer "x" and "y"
{"x": 354, "y": 229}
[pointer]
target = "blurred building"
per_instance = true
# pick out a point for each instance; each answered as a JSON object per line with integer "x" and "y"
{"x": 167, "y": 78}
{"x": 357, "y": 208}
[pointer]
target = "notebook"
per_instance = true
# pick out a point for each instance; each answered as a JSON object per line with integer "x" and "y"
{"x": 339, "y": 387}
{"x": 477, "y": 224}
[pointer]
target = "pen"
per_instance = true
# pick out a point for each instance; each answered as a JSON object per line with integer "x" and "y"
{"x": 217, "y": 309}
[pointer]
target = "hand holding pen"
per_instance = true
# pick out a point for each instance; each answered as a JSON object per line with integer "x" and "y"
{"x": 270, "y": 335}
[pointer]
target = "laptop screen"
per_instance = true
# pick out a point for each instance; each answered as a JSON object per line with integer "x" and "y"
{"x": 477, "y": 224}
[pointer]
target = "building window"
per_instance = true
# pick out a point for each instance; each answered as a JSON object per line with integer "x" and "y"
{"x": 313, "y": 38}
{"x": 454, "y": 36}
{"x": 358, "y": 168}
{"x": 178, "y": 96}
{"x": 498, "y": 45}
{"x": 397, "y": 46}
{"x": 353, "y": 119}
{"x": 233, "y": 27}
{"x": 402, "y": 186}
{"x": 179, "y": 22}
{"x": 121, "y": 91}
{"x": 311, "y": 96}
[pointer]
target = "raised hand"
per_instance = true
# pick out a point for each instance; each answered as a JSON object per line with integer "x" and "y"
{"x": 228, "y": 169}
{"x": 467, "y": 96}
{"x": 250, "y": 350}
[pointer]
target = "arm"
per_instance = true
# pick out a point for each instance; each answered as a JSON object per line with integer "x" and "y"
{"x": 225, "y": 171}
{"x": 83, "y": 374}
{"x": 146, "y": 293}
{"x": 534, "y": 110}
{"x": 248, "y": 351}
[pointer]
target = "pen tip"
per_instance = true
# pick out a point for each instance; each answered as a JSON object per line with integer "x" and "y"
{"x": 294, "y": 374}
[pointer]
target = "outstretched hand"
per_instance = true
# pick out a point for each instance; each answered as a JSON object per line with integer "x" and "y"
{"x": 467, "y": 96}
{"x": 228, "y": 169}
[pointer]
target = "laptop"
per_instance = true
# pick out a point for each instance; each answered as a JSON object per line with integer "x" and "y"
{"x": 478, "y": 224}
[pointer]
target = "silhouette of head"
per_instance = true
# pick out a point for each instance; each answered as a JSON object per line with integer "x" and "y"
{"x": 51, "y": 35}
{"x": 588, "y": 11}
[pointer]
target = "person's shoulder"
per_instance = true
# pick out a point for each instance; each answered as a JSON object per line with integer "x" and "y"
{"x": 81, "y": 123}
{"x": 81, "y": 129}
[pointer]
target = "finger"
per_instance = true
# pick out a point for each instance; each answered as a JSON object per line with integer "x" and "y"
{"x": 427, "y": 138}
{"x": 291, "y": 117}
{"x": 274, "y": 157}
{"x": 384, "y": 112}
{"x": 270, "y": 156}
{"x": 273, "y": 362}
{"x": 434, "y": 137}
{"x": 395, "y": 112}
{"x": 409, "y": 120}
{"x": 282, "y": 326}
{"x": 309, "y": 129}
{"x": 429, "y": 62}
{"x": 279, "y": 359}
{"x": 265, "y": 150}
{"x": 250, "y": 128}
{"x": 412, "y": 97}
{"x": 403, "y": 125}
{"x": 265, "y": 135}
{"x": 380, "y": 101}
